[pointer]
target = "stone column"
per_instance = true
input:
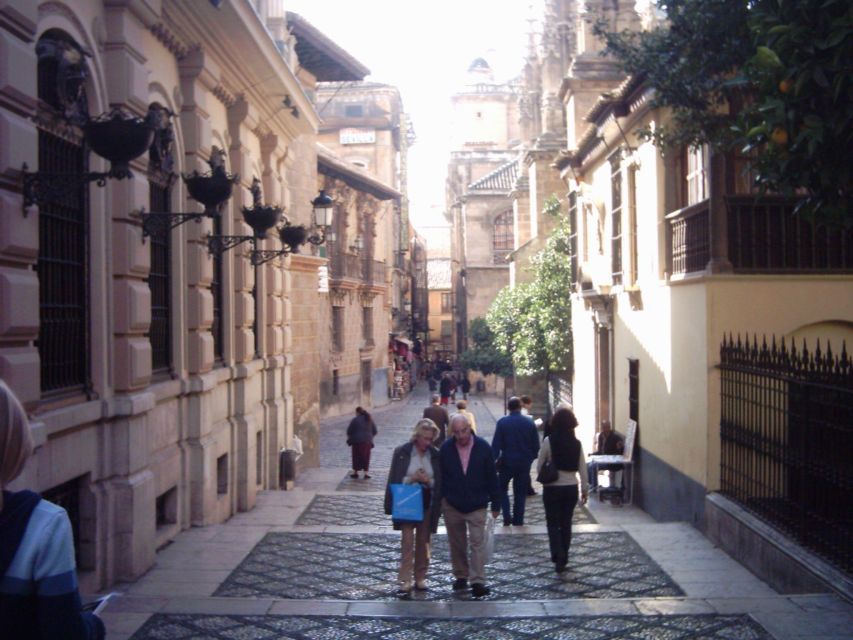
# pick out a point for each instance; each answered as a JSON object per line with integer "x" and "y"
{"x": 19, "y": 235}
{"x": 718, "y": 215}
{"x": 132, "y": 487}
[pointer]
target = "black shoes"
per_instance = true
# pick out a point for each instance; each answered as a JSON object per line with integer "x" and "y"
{"x": 353, "y": 475}
{"x": 479, "y": 590}
{"x": 460, "y": 583}
{"x": 366, "y": 477}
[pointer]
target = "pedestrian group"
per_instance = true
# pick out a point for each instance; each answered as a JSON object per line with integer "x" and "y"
{"x": 463, "y": 477}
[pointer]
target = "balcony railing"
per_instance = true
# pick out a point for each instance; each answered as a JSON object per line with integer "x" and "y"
{"x": 690, "y": 238}
{"x": 766, "y": 237}
{"x": 346, "y": 265}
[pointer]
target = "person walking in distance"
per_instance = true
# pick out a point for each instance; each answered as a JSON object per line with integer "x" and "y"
{"x": 469, "y": 483}
{"x": 561, "y": 496}
{"x": 526, "y": 409}
{"x": 439, "y": 416}
{"x": 444, "y": 388}
{"x": 515, "y": 446}
{"x": 462, "y": 407}
{"x": 416, "y": 462}
{"x": 38, "y": 578}
{"x": 360, "y": 433}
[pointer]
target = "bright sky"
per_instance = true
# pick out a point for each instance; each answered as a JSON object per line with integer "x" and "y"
{"x": 424, "y": 49}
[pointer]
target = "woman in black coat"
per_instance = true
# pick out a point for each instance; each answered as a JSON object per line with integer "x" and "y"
{"x": 561, "y": 496}
{"x": 416, "y": 462}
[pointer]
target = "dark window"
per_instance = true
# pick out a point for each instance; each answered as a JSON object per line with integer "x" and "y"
{"x": 446, "y": 302}
{"x": 166, "y": 507}
{"x": 256, "y": 324}
{"x": 338, "y": 328}
{"x": 367, "y": 325}
{"x": 573, "y": 235}
{"x": 634, "y": 390}
{"x": 222, "y": 474}
{"x": 366, "y": 376}
{"x": 616, "y": 216}
{"x": 353, "y": 110}
{"x": 335, "y": 382}
{"x": 259, "y": 457}
{"x": 160, "y": 283}
{"x": 504, "y": 238}
{"x": 216, "y": 291}
{"x": 63, "y": 341}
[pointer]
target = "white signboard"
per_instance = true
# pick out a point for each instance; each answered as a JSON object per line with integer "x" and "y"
{"x": 323, "y": 279}
{"x": 357, "y": 136}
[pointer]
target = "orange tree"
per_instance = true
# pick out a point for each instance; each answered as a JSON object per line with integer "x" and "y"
{"x": 773, "y": 78}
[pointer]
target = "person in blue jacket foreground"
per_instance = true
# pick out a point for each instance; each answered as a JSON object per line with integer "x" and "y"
{"x": 38, "y": 589}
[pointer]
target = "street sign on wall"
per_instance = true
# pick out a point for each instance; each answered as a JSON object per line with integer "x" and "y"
{"x": 357, "y": 136}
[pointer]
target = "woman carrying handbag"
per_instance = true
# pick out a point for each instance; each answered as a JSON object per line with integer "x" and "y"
{"x": 562, "y": 450}
{"x": 416, "y": 462}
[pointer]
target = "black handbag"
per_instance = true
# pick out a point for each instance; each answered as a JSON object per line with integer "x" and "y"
{"x": 548, "y": 473}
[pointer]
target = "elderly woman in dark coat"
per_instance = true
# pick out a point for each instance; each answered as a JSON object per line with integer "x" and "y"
{"x": 417, "y": 461}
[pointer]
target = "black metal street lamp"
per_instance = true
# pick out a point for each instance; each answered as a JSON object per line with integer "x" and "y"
{"x": 117, "y": 136}
{"x": 261, "y": 217}
{"x": 294, "y": 236}
{"x": 211, "y": 189}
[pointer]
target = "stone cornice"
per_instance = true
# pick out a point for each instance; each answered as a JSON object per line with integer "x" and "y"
{"x": 306, "y": 263}
{"x": 170, "y": 40}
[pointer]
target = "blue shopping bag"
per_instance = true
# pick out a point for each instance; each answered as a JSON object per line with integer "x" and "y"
{"x": 407, "y": 502}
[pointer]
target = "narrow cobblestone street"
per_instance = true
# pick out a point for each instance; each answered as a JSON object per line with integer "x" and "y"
{"x": 320, "y": 562}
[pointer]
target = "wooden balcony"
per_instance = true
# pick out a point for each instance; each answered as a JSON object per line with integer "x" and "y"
{"x": 690, "y": 235}
{"x": 764, "y": 236}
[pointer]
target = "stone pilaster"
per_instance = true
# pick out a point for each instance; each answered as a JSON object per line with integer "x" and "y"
{"x": 19, "y": 361}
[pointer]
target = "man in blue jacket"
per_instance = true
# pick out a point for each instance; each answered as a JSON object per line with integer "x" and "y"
{"x": 469, "y": 483}
{"x": 515, "y": 446}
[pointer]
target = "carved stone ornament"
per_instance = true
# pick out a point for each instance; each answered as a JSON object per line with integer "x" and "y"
{"x": 67, "y": 62}
{"x": 338, "y": 297}
{"x": 161, "y": 162}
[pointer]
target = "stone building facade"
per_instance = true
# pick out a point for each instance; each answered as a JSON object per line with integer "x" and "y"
{"x": 159, "y": 376}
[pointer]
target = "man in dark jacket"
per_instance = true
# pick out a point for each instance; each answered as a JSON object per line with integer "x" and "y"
{"x": 438, "y": 415}
{"x": 515, "y": 446}
{"x": 608, "y": 443}
{"x": 469, "y": 483}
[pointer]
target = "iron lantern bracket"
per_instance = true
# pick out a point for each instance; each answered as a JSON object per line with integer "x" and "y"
{"x": 43, "y": 186}
{"x": 260, "y": 256}
{"x": 217, "y": 245}
{"x": 160, "y": 223}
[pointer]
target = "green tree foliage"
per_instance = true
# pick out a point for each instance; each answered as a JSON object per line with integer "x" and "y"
{"x": 773, "y": 78}
{"x": 531, "y": 322}
{"x": 484, "y": 356}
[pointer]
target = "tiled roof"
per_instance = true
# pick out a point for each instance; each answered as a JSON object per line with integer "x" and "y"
{"x": 438, "y": 274}
{"x": 501, "y": 179}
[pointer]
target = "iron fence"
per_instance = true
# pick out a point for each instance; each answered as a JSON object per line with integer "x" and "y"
{"x": 786, "y": 431}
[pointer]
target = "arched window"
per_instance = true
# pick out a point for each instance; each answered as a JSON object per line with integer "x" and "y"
{"x": 160, "y": 178}
{"x": 63, "y": 340}
{"x": 503, "y": 239}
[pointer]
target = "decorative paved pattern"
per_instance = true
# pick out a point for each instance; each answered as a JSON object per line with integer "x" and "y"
{"x": 369, "y": 510}
{"x": 376, "y": 482}
{"x": 363, "y": 567}
{"x": 229, "y": 627}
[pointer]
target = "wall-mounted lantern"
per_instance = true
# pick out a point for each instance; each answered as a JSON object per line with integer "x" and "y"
{"x": 117, "y": 136}
{"x": 294, "y": 236}
{"x": 211, "y": 189}
{"x": 260, "y": 217}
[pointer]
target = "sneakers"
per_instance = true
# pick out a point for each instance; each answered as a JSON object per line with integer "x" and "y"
{"x": 421, "y": 585}
{"x": 404, "y": 589}
{"x": 479, "y": 590}
{"x": 460, "y": 583}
